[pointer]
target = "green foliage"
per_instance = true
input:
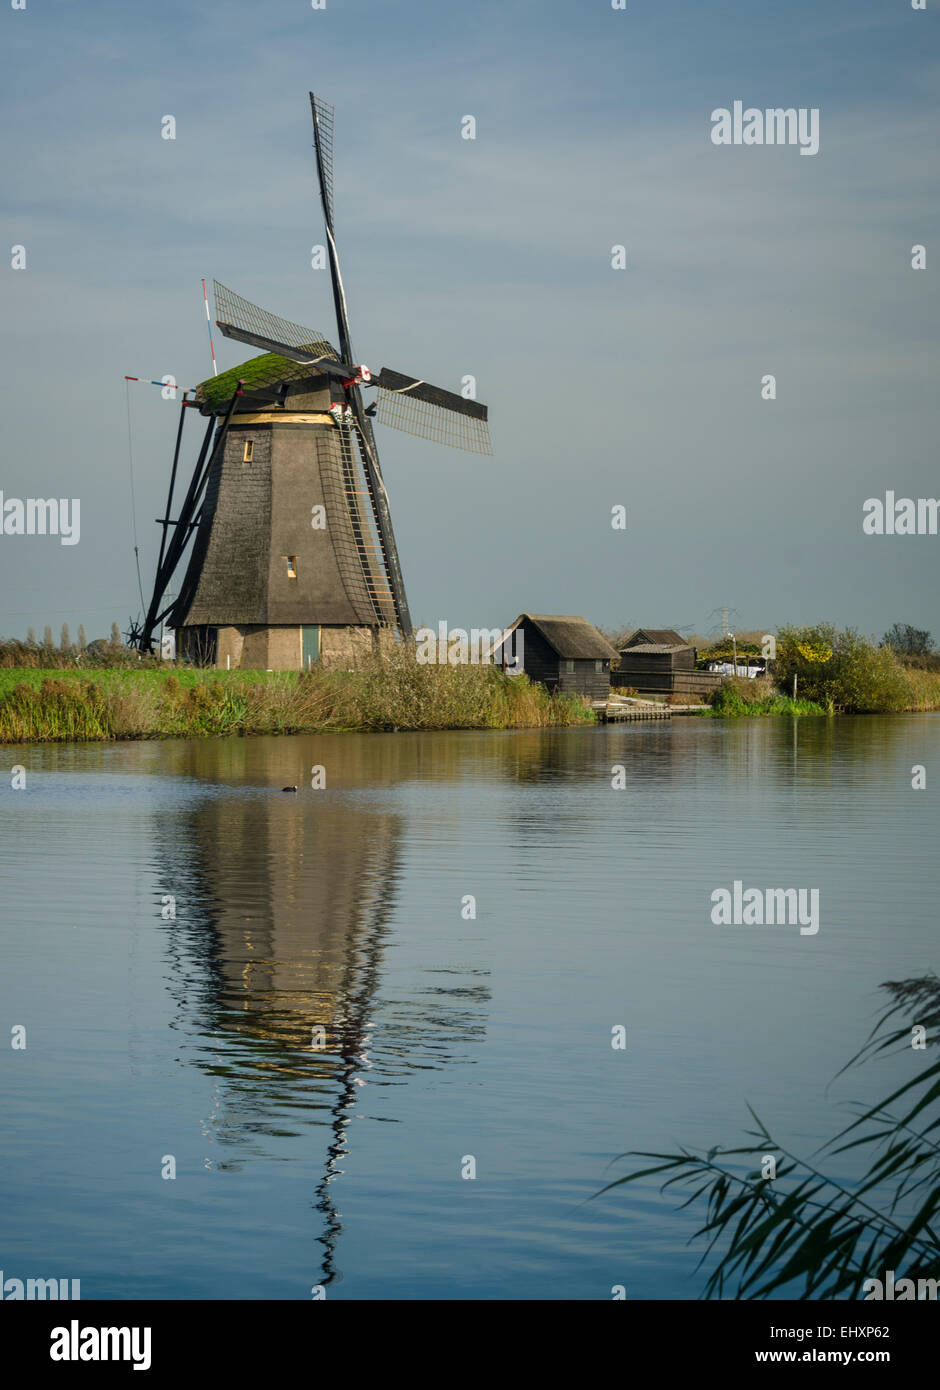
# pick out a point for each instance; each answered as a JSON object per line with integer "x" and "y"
{"x": 739, "y": 696}
{"x": 907, "y": 640}
{"x": 807, "y": 1228}
{"x": 840, "y": 670}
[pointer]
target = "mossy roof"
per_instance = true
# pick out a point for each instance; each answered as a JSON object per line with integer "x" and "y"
{"x": 267, "y": 370}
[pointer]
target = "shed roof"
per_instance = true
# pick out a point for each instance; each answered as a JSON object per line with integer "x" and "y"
{"x": 648, "y": 648}
{"x": 658, "y": 635}
{"x": 572, "y": 638}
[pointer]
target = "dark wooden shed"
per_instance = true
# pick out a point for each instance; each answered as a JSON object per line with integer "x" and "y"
{"x": 651, "y": 666}
{"x": 657, "y": 661}
{"x": 565, "y": 654}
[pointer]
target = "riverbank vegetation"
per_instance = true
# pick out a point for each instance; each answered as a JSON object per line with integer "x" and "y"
{"x": 390, "y": 692}
{"x": 103, "y": 690}
{"x": 827, "y": 670}
{"x": 46, "y": 654}
{"x": 778, "y": 1224}
{"x": 739, "y": 696}
{"x": 843, "y": 671}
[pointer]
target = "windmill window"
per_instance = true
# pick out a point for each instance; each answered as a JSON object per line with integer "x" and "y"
{"x": 569, "y": 667}
{"x": 599, "y": 665}
{"x": 248, "y": 455}
{"x": 291, "y": 566}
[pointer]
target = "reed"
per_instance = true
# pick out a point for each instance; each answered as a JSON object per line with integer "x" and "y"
{"x": 801, "y": 1231}
{"x": 923, "y": 689}
{"x": 388, "y": 691}
{"x": 45, "y": 656}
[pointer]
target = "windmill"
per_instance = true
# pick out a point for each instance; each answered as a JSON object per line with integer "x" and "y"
{"x": 293, "y": 556}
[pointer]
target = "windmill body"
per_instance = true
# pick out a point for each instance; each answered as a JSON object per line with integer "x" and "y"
{"x": 286, "y": 566}
{"x": 284, "y": 536}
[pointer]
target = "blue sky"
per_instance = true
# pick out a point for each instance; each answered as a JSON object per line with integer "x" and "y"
{"x": 492, "y": 257}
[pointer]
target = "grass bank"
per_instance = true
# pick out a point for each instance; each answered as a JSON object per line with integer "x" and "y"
{"x": 39, "y": 706}
{"x": 734, "y": 699}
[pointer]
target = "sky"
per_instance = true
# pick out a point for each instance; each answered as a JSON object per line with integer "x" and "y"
{"x": 638, "y": 387}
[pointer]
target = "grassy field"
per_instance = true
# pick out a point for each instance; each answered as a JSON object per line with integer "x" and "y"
{"x": 398, "y": 693}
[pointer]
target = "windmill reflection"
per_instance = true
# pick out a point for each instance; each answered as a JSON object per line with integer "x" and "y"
{"x": 284, "y": 910}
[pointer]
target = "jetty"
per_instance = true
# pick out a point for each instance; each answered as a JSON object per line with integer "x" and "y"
{"x": 619, "y": 708}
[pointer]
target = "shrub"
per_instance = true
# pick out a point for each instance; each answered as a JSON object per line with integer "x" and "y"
{"x": 840, "y": 669}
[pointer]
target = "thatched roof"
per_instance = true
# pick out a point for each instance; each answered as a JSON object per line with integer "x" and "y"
{"x": 267, "y": 370}
{"x": 661, "y": 636}
{"x": 572, "y": 638}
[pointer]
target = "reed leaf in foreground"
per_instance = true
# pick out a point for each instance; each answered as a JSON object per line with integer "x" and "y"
{"x": 822, "y": 1233}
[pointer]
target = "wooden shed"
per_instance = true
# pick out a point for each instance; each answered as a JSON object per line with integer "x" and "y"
{"x": 564, "y": 654}
{"x": 657, "y": 661}
{"x": 650, "y": 666}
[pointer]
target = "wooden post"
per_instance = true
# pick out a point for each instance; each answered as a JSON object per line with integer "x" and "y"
{"x": 794, "y": 685}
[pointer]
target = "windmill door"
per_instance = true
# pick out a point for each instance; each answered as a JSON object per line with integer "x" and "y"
{"x": 310, "y": 649}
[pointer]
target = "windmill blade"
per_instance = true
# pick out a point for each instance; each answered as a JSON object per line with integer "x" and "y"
{"x": 323, "y": 136}
{"x": 409, "y": 404}
{"x": 322, "y": 114}
{"x": 249, "y": 323}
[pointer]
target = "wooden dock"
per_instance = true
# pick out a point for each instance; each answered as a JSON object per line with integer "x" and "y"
{"x": 619, "y": 709}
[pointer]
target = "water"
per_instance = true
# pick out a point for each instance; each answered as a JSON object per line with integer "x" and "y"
{"x": 446, "y": 1035}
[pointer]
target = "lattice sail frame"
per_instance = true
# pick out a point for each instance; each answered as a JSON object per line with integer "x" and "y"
{"x": 429, "y": 412}
{"x": 324, "y": 129}
{"x": 239, "y": 318}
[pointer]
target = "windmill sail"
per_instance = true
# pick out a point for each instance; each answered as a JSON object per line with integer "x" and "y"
{"x": 249, "y": 323}
{"x": 409, "y": 404}
{"x": 323, "y": 132}
{"x": 322, "y": 115}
